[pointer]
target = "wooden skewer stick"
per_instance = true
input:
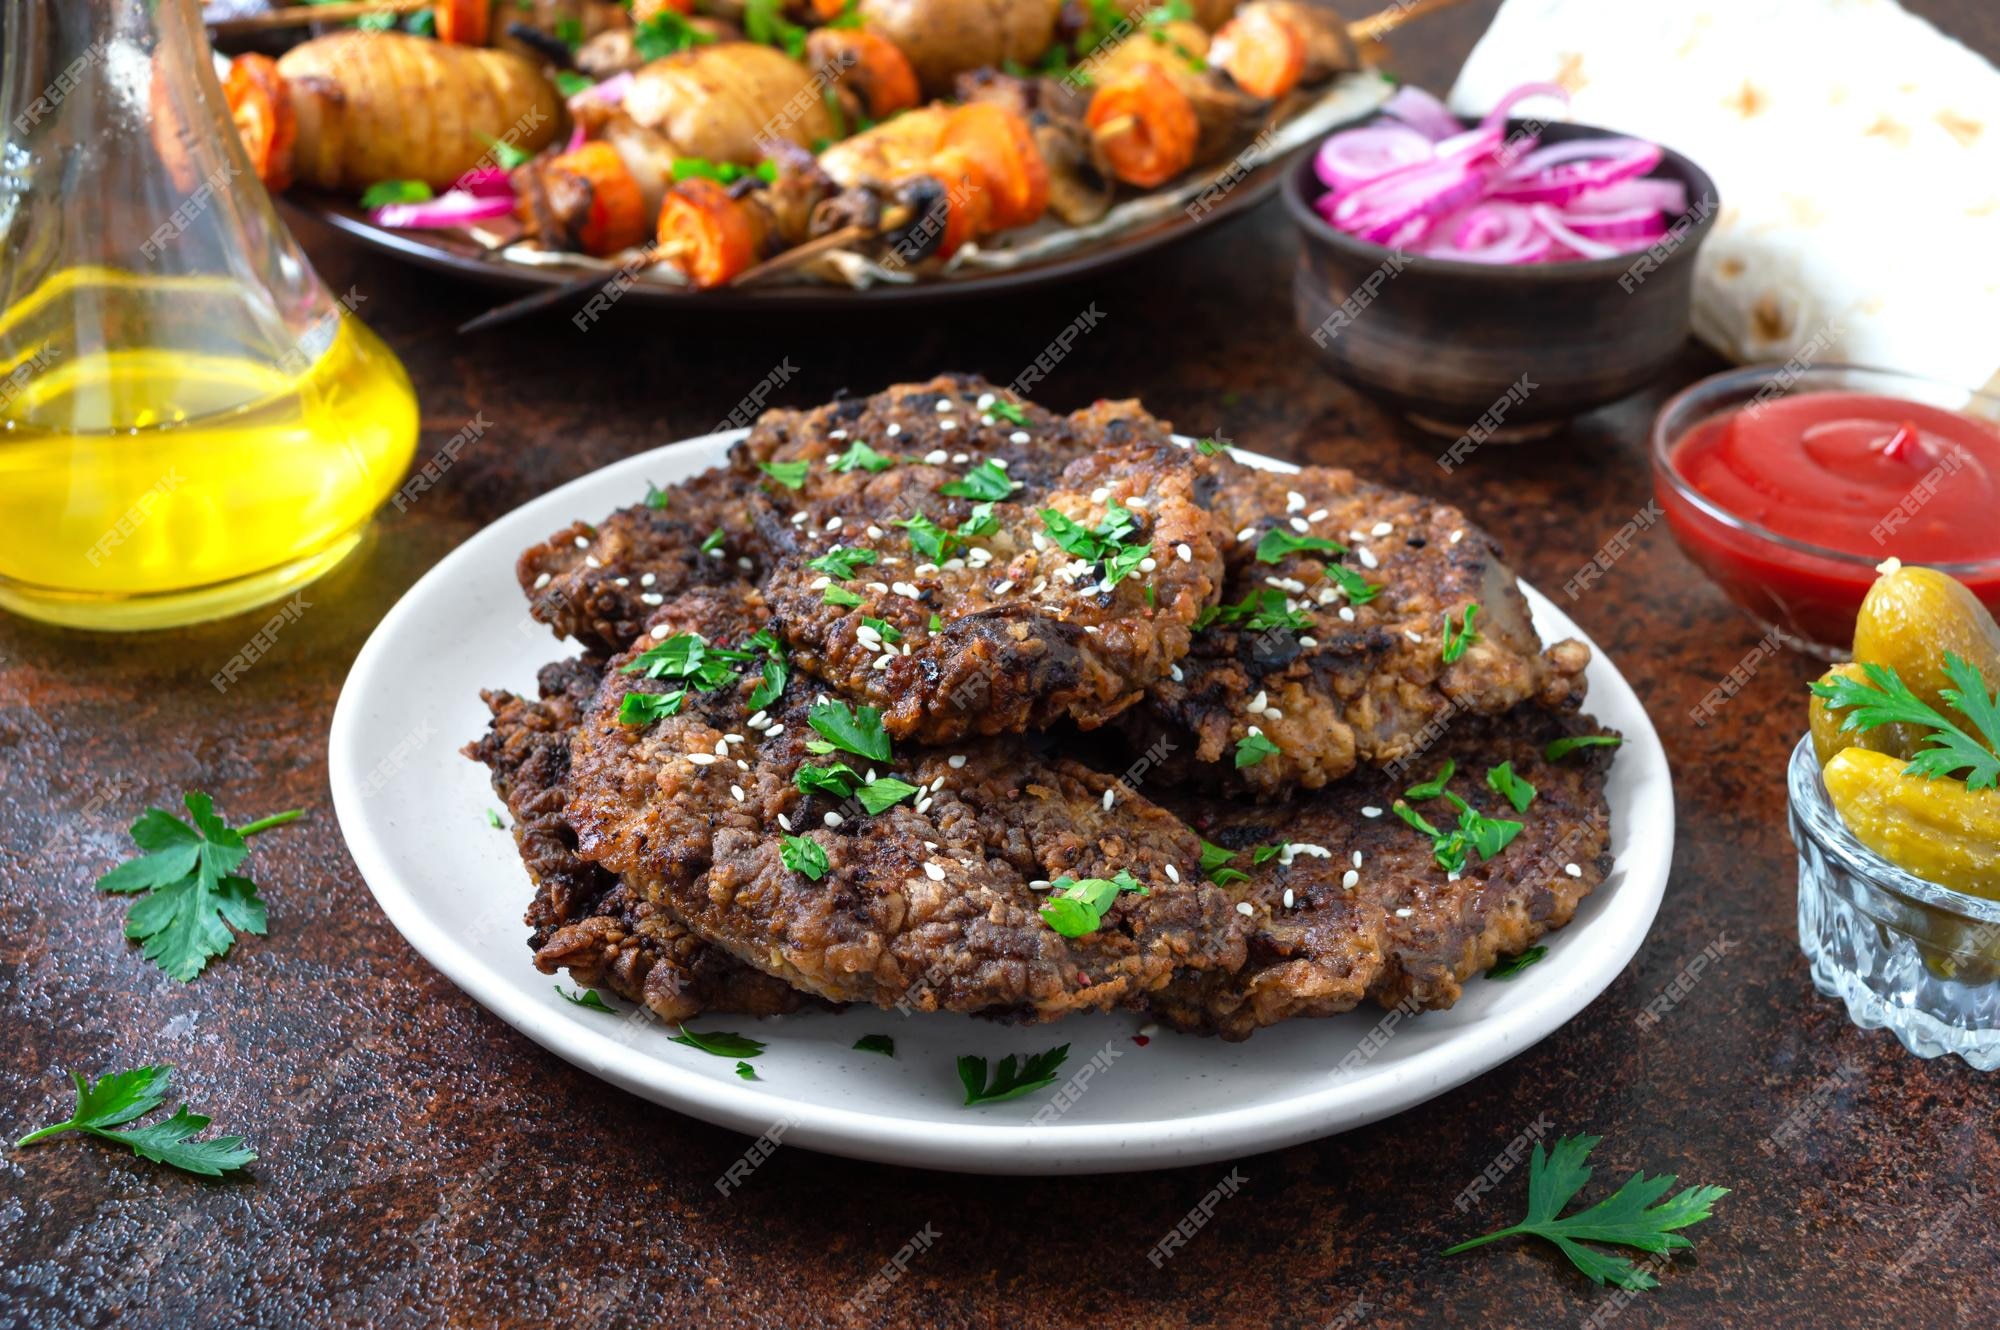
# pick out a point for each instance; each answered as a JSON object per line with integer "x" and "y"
{"x": 805, "y": 252}
{"x": 1384, "y": 22}
{"x": 1112, "y": 128}
{"x": 557, "y": 295}
{"x": 298, "y": 16}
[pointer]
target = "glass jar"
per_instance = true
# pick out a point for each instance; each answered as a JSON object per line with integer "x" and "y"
{"x": 190, "y": 424}
{"x": 1906, "y": 955}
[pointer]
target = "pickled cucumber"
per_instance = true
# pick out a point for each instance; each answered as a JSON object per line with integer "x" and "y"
{"x": 1937, "y": 829}
{"x": 1828, "y": 738}
{"x": 1912, "y": 617}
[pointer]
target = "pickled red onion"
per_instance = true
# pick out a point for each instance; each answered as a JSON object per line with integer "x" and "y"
{"x": 1424, "y": 181}
{"x": 453, "y": 208}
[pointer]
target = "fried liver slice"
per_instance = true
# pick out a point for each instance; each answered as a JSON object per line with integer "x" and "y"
{"x": 582, "y": 919}
{"x": 1337, "y": 681}
{"x": 1406, "y": 931}
{"x": 932, "y": 903}
{"x": 1026, "y": 633}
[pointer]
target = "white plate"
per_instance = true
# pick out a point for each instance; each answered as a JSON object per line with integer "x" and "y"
{"x": 414, "y": 813}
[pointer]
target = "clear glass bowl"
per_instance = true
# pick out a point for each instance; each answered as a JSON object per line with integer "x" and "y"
{"x": 1905, "y": 955}
{"x": 1809, "y": 593}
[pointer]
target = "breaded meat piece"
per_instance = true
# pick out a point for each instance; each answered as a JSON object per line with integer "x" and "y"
{"x": 1336, "y": 657}
{"x": 598, "y": 582}
{"x": 1356, "y": 904}
{"x": 931, "y": 902}
{"x": 582, "y": 918}
{"x": 1034, "y": 619}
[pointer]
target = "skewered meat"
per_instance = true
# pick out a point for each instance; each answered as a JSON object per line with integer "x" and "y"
{"x": 372, "y": 106}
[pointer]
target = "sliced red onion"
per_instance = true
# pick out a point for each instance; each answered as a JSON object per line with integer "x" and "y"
{"x": 454, "y": 208}
{"x": 1551, "y": 221}
{"x": 486, "y": 182}
{"x": 1422, "y": 112}
{"x": 1667, "y": 196}
{"x": 610, "y": 92}
{"x": 577, "y": 139}
{"x": 1347, "y": 160}
{"x": 1497, "y": 117}
{"x": 1560, "y": 172}
{"x": 1631, "y": 224}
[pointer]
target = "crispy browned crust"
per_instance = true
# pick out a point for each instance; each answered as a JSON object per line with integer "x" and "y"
{"x": 1335, "y": 946}
{"x": 930, "y": 904}
{"x": 1359, "y": 684}
{"x": 1027, "y": 634}
{"x": 582, "y": 919}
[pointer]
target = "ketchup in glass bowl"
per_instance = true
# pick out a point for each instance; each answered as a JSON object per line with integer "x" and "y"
{"x": 1789, "y": 486}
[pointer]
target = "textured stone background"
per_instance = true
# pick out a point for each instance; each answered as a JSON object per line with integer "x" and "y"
{"x": 423, "y": 1165}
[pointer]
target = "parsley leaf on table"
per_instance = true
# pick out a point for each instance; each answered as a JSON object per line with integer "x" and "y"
{"x": 190, "y": 873}
{"x": 1633, "y": 1216}
{"x": 746, "y": 1071}
{"x": 118, "y": 1098}
{"x": 1890, "y": 701}
{"x": 1009, "y": 1081}
{"x": 719, "y": 1043}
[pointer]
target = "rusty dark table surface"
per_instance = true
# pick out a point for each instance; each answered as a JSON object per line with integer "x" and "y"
{"x": 423, "y": 1165}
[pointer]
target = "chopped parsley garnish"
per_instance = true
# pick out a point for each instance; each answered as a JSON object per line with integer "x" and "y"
{"x": 1260, "y": 610}
{"x": 713, "y": 543}
{"x": 1011, "y": 412}
{"x": 1075, "y": 908}
{"x": 1008, "y": 1081}
{"x": 980, "y": 521}
{"x": 1633, "y": 1216}
{"x": 764, "y": 21}
{"x": 570, "y": 83}
{"x": 1278, "y": 543}
{"x": 876, "y": 1043}
{"x": 587, "y": 998}
{"x": 1358, "y": 588}
{"x": 190, "y": 873}
{"x": 1215, "y": 867}
{"x": 1210, "y": 447}
{"x": 1476, "y": 834}
{"x": 1503, "y": 782}
{"x": 1563, "y": 747}
{"x": 1252, "y": 749}
{"x": 802, "y": 854}
{"x": 655, "y": 496}
{"x": 1454, "y": 647}
{"x": 848, "y": 729}
{"x": 1434, "y": 787}
{"x": 569, "y": 31}
{"x": 888, "y": 631}
{"x": 836, "y": 594}
{"x": 505, "y": 155}
{"x": 1889, "y": 701}
{"x": 860, "y": 457}
{"x": 746, "y": 1071}
{"x": 385, "y": 192}
{"x": 720, "y": 1043}
{"x": 722, "y": 173}
{"x": 936, "y": 624}
{"x": 776, "y": 670}
{"x": 791, "y": 475}
{"x": 840, "y": 562}
{"x": 665, "y": 33}
{"x": 493, "y": 820}
{"x": 986, "y": 481}
{"x": 879, "y": 795}
{"x": 1109, "y": 543}
{"x": 647, "y": 708}
{"x": 931, "y": 541}
{"x": 113, "y": 1100}
{"x": 1264, "y": 854}
{"x": 1513, "y": 965}
{"x": 837, "y": 781}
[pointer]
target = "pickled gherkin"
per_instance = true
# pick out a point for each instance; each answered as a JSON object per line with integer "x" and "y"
{"x": 1935, "y": 828}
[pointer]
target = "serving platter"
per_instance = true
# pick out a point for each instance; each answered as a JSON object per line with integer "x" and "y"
{"x": 414, "y": 815}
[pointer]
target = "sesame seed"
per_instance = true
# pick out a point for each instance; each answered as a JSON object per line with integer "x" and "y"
{"x": 541, "y": 581}
{"x": 733, "y": 738}
{"x": 945, "y": 404}
{"x": 1316, "y": 515}
{"x": 1001, "y": 462}
{"x": 1371, "y": 811}
{"x": 1100, "y": 494}
{"x": 833, "y": 524}
{"x": 1381, "y": 529}
{"x": 1018, "y": 436}
{"x": 651, "y": 598}
{"x": 741, "y": 765}
{"x": 1185, "y": 554}
{"x": 893, "y": 431}
{"x": 937, "y": 456}
{"x": 760, "y": 720}
{"x": 1255, "y": 730}
{"x": 703, "y": 759}
{"x": 1413, "y": 635}
{"x": 1175, "y": 672}
{"x": 799, "y": 518}
{"x": 582, "y": 544}
{"x": 648, "y": 579}
{"x": 590, "y": 561}
{"x": 737, "y": 791}
{"x": 1367, "y": 557}
{"x": 722, "y": 747}
{"x": 1347, "y": 614}
{"x": 1406, "y": 911}
{"x": 660, "y": 631}
{"x": 784, "y": 822}
{"x": 1308, "y": 642}
{"x": 1298, "y": 524}
{"x": 1110, "y": 797}
{"x": 1245, "y": 534}
{"x": 1272, "y": 713}
{"x": 985, "y": 400}
{"x": 960, "y": 459}
{"x": 1294, "y": 501}
{"x": 1173, "y": 874}
{"x": 947, "y": 424}
{"x": 1350, "y": 879}
{"x": 1244, "y": 908}
{"x": 1572, "y": 870}
{"x": 907, "y": 590}
{"x": 1357, "y": 858}
{"x": 935, "y": 872}
{"x": 774, "y": 731}
{"x": 1040, "y": 884}
{"x": 1457, "y": 536}
{"x": 874, "y": 532}
{"x": 879, "y": 588}
{"x": 745, "y": 564}
{"x": 833, "y": 819}
{"x": 1288, "y": 898}
{"x": 820, "y": 583}
{"x": 838, "y": 434}
{"x": 1262, "y": 700}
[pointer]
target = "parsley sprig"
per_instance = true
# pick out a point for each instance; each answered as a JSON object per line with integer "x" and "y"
{"x": 859, "y": 456}
{"x": 1454, "y": 647}
{"x": 106, "y": 1104}
{"x": 1009, "y": 1079}
{"x": 1260, "y": 610}
{"x": 719, "y": 1043}
{"x": 850, "y": 729}
{"x": 987, "y": 481}
{"x": 1111, "y": 544}
{"x": 1634, "y": 1216}
{"x": 196, "y": 897}
{"x": 1278, "y": 543}
{"x": 1887, "y": 700}
{"x": 1075, "y": 907}
{"x": 1215, "y": 867}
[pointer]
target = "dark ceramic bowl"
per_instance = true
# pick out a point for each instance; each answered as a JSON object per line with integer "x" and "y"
{"x": 1450, "y": 342}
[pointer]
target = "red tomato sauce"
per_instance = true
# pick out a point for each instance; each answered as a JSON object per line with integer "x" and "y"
{"x": 1855, "y": 474}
